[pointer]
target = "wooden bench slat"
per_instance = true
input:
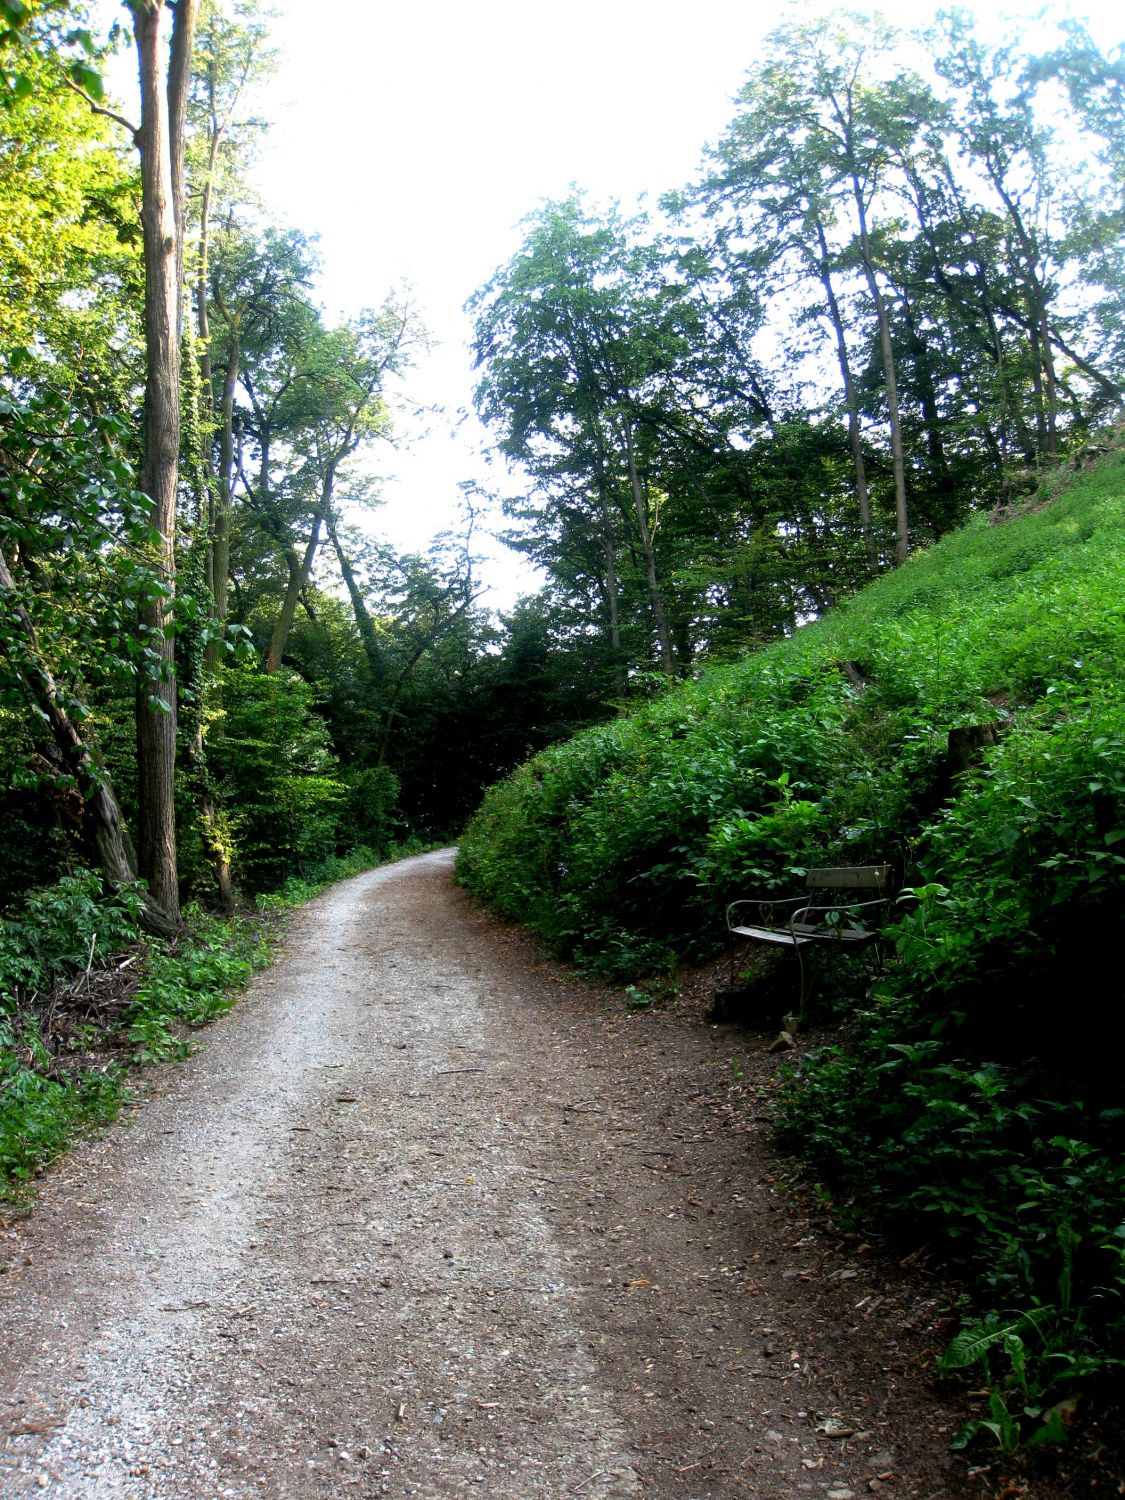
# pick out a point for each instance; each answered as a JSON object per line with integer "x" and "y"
{"x": 849, "y": 878}
{"x": 773, "y": 935}
{"x": 824, "y": 934}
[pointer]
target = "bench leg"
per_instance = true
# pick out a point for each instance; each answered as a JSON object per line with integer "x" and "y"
{"x": 805, "y": 977}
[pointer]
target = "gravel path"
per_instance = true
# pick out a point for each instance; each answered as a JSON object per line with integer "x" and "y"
{"x": 426, "y": 1217}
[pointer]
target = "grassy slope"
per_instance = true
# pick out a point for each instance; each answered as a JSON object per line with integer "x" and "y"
{"x": 975, "y": 1104}
{"x": 622, "y": 845}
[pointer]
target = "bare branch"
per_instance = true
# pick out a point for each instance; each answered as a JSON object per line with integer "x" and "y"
{"x": 109, "y": 114}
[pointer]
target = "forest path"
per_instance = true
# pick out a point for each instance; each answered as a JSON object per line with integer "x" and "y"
{"x": 428, "y": 1217}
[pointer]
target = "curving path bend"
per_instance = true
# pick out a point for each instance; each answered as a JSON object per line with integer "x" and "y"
{"x": 426, "y": 1218}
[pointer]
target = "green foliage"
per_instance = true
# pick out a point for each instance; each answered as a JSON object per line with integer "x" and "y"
{"x": 372, "y": 807}
{"x": 975, "y": 1107}
{"x": 53, "y": 933}
{"x": 60, "y": 928}
{"x": 40, "y": 1115}
{"x": 298, "y": 889}
{"x": 273, "y": 764}
{"x": 59, "y": 931}
{"x": 192, "y": 984}
{"x": 631, "y": 836}
{"x": 1045, "y": 1353}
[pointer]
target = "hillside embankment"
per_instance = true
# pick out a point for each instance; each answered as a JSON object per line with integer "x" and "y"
{"x": 962, "y": 719}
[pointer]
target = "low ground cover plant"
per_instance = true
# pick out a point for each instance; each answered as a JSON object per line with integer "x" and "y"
{"x": 971, "y": 1103}
{"x": 84, "y": 998}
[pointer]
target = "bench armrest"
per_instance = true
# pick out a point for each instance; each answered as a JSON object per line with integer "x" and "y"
{"x": 843, "y": 906}
{"x": 765, "y": 907}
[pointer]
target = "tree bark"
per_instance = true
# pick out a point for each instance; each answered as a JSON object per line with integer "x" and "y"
{"x": 223, "y": 498}
{"x": 363, "y": 622}
{"x": 664, "y": 640}
{"x": 612, "y": 591}
{"x": 902, "y": 525}
{"x": 299, "y": 575}
{"x": 862, "y": 498}
{"x": 101, "y": 826}
{"x": 162, "y": 188}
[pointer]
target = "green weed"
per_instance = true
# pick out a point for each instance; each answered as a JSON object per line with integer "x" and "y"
{"x": 975, "y": 1105}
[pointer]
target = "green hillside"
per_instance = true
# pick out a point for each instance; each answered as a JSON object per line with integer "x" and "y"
{"x": 976, "y": 1102}
{"x": 622, "y": 845}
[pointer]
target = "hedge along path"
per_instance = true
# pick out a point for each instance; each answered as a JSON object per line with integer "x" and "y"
{"x": 430, "y": 1217}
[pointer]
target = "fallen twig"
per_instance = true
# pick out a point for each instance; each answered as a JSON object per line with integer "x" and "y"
{"x": 582, "y": 1485}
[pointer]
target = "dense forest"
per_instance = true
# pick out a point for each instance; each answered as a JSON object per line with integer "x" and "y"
{"x": 889, "y": 310}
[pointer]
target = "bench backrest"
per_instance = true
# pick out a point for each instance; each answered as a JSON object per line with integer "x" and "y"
{"x": 874, "y": 878}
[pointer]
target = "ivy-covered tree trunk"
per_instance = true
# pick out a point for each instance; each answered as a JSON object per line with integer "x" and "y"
{"x": 162, "y": 190}
{"x": 859, "y": 466}
{"x": 102, "y": 827}
{"x": 648, "y": 552}
{"x": 902, "y": 526}
{"x": 223, "y": 501}
{"x": 612, "y": 592}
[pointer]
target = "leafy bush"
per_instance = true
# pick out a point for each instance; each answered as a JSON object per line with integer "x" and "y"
{"x": 974, "y": 1107}
{"x": 57, "y": 932}
{"x": 61, "y": 927}
{"x": 276, "y": 774}
{"x": 192, "y": 984}
{"x": 40, "y": 1115}
{"x": 373, "y": 819}
{"x": 623, "y": 844}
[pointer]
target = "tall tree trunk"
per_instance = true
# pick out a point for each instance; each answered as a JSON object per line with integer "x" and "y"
{"x": 363, "y": 621}
{"x": 161, "y": 145}
{"x": 440, "y": 629}
{"x": 203, "y": 326}
{"x": 102, "y": 826}
{"x": 612, "y": 588}
{"x": 862, "y": 499}
{"x": 216, "y": 521}
{"x": 1043, "y": 381}
{"x": 902, "y": 524}
{"x": 656, "y": 600}
{"x": 299, "y": 574}
{"x": 223, "y": 490}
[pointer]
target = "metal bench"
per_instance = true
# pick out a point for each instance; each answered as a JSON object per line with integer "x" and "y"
{"x": 848, "y": 905}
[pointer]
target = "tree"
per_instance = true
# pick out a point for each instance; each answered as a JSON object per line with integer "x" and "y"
{"x": 314, "y": 398}
{"x": 590, "y": 346}
{"x": 819, "y": 130}
{"x": 259, "y": 292}
{"x": 77, "y": 586}
{"x": 232, "y": 57}
{"x": 164, "y": 89}
{"x": 1048, "y": 206}
{"x": 74, "y": 582}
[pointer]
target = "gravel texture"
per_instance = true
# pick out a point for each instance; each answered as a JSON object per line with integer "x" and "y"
{"x": 427, "y": 1216}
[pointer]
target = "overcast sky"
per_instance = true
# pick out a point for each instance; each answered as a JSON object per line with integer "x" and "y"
{"x": 413, "y": 137}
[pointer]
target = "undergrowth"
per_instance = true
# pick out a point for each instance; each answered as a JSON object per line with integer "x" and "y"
{"x": 63, "y": 1070}
{"x": 972, "y": 1103}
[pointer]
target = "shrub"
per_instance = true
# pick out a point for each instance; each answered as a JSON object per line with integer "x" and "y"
{"x": 276, "y": 774}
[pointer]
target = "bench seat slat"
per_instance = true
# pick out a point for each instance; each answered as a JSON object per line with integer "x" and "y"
{"x": 773, "y": 935}
{"x": 803, "y": 933}
{"x": 850, "y": 877}
{"x": 827, "y": 934}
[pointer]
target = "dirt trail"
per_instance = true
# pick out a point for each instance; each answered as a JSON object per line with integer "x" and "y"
{"x": 426, "y": 1217}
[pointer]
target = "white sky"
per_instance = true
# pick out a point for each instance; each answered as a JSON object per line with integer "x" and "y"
{"x": 412, "y": 137}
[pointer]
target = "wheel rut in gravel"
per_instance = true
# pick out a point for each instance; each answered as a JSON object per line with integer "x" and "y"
{"x": 427, "y": 1216}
